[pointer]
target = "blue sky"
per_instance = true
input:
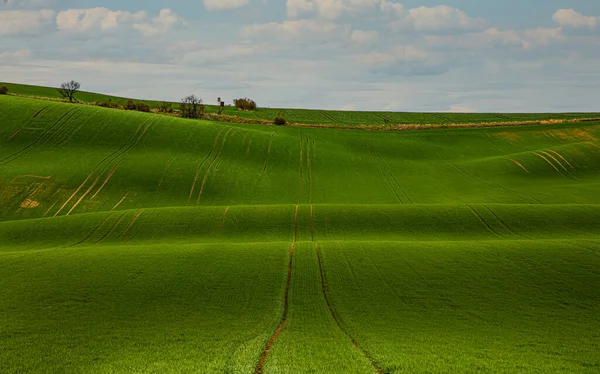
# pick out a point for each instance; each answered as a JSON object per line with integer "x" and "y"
{"x": 447, "y": 55}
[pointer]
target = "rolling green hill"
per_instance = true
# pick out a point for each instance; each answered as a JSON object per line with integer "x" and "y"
{"x": 134, "y": 242}
{"x": 334, "y": 118}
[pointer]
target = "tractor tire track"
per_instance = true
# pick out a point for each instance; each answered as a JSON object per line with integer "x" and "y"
{"x": 199, "y": 168}
{"x": 164, "y": 174}
{"x": 385, "y": 177}
{"x": 504, "y": 224}
{"x": 210, "y": 165}
{"x": 40, "y": 141}
{"x": 300, "y": 171}
{"x": 551, "y": 164}
{"x": 111, "y": 229}
{"x": 265, "y": 354}
{"x": 335, "y": 318}
{"x": 93, "y": 232}
{"x": 268, "y": 153}
{"x": 107, "y": 161}
{"x": 131, "y": 223}
{"x": 484, "y": 222}
{"x": 308, "y": 168}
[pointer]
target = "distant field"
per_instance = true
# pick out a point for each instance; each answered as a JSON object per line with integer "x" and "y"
{"x": 134, "y": 242}
{"x": 327, "y": 117}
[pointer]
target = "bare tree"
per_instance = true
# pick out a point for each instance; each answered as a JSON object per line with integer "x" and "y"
{"x": 191, "y": 107}
{"x": 68, "y": 90}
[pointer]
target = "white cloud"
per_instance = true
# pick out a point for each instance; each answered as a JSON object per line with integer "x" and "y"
{"x": 389, "y": 7}
{"x": 16, "y": 55}
{"x": 362, "y": 37}
{"x": 296, "y": 29}
{"x": 27, "y": 3}
{"x": 542, "y": 36}
{"x": 224, "y": 4}
{"x": 83, "y": 20}
{"x": 103, "y": 19}
{"x": 165, "y": 20}
{"x": 398, "y": 54}
{"x": 13, "y": 22}
{"x": 494, "y": 37}
{"x": 439, "y": 18}
{"x": 570, "y": 18}
{"x": 328, "y": 9}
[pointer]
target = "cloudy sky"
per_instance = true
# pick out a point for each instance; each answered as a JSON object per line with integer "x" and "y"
{"x": 428, "y": 55}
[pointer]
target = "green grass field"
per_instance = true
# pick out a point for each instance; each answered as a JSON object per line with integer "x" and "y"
{"x": 134, "y": 242}
{"x": 323, "y": 117}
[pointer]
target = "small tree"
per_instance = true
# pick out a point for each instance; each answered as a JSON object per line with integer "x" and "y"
{"x": 245, "y": 104}
{"x": 191, "y": 107}
{"x": 3, "y": 90}
{"x": 68, "y": 90}
{"x": 280, "y": 119}
{"x": 165, "y": 107}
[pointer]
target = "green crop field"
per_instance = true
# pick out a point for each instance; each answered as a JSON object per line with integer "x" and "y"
{"x": 134, "y": 242}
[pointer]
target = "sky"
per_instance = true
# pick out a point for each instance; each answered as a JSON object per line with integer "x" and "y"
{"x": 446, "y": 55}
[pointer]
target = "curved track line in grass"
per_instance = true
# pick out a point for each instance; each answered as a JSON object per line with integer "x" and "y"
{"x": 382, "y": 170}
{"x": 562, "y": 158}
{"x": 550, "y": 163}
{"x": 106, "y": 180}
{"x": 265, "y": 354}
{"x": 84, "y": 195}
{"x": 114, "y": 155}
{"x": 301, "y": 165}
{"x": 199, "y": 168}
{"x": 49, "y": 209}
{"x": 268, "y": 153}
{"x": 337, "y": 322}
{"x": 132, "y": 222}
{"x": 296, "y": 223}
{"x": 223, "y": 219}
{"x": 504, "y": 224}
{"x": 519, "y": 165}
{"x": 13, "y": 135}
{"x": 112, "y": 228}
{"x": 76, "y": 191}
{"x": 391, "y": 173}
{"x": 309, "y": 171}
{"x": 558, "y": 162}
{"x": 164, "y": 174}
{"x": 483, "y": 221}
{"x": 29, "y": 176}
{"x": 93, "y": 232}
{"x": 312, "y": 226}
{"x": 119, "y": 203}
{"x": 36, "y": 143}
{"x": 210, "y": 165}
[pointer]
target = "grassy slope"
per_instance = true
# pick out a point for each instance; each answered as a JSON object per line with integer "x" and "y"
{"x": 135, "y": 242}
{"x": 324, "y": 117}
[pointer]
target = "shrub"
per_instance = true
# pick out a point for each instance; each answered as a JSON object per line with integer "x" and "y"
{"x": 143, "y": 107}
{"x": 245, "y": 104}
{"x": 130, "y": 105}
{"x": 3, "y": 90}
{"x": 191, "y": 107}
{"x": 165, "y": 107}
{"x": 107, "y": 104}
{"x": 280, "y": 119}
